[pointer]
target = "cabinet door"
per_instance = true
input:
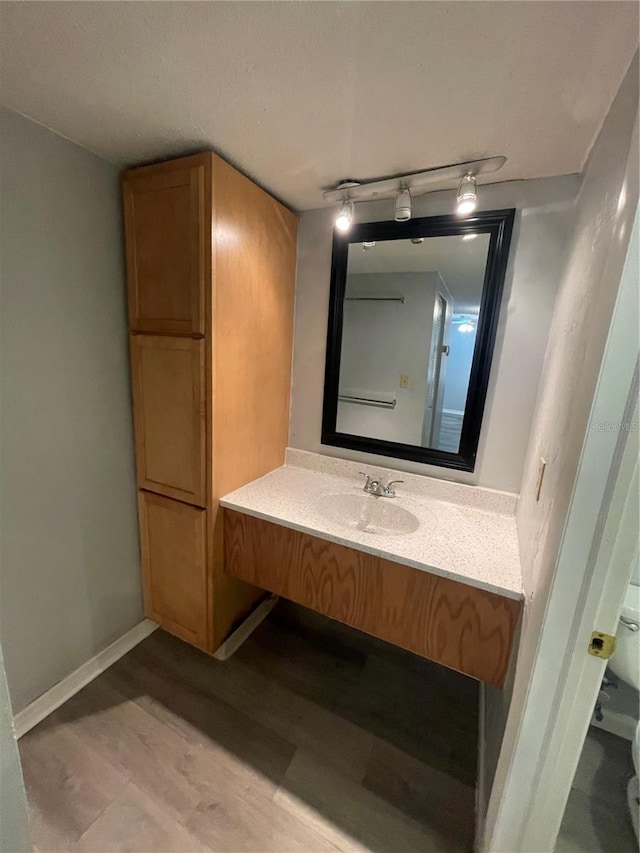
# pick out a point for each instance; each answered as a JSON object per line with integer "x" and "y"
{"x": 165, "y": 228}
{"x": 170, "y": 415}
{"x": 173, "y": 540}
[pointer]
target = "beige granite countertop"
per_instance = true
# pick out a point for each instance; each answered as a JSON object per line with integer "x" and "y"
{"x": 466, "y": 533}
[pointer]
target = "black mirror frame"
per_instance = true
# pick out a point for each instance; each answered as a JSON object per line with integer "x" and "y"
{"x": 499, "y": 225}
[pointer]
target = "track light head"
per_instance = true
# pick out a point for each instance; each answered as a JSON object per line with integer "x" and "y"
{"x": 403, "y": 206}
{"x": 467, "y": 199}
{"x": 344, "y": 218}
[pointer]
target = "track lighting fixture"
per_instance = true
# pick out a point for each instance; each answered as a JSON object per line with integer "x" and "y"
{"x": 467, "y": 198}
{"x": 345, "y": 216}
{"x": 403, "y": 206}
{"x": 407, "y": 186}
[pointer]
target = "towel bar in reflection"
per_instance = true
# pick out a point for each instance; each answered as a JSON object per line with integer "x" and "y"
{"x": 374, "y": 299}
{"x": 367, "y": 401}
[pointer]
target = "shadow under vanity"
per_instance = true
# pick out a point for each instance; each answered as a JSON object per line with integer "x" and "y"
{"x": 227, "y": 513}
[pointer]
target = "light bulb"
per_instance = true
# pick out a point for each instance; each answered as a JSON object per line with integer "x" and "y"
{"x": 368, "y": 244}
{"x": 403, "y": 206}
{"x": 469, "y": 236}
{"x": 467, "y": 198}
{"x": 466, "y": 328}
{"x": 345, "y": 216}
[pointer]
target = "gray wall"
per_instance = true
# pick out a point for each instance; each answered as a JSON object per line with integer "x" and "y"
{"x": 538, "y": 254}
{"x": 69, "y": 576}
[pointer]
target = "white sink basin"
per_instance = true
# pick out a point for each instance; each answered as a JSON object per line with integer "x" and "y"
{"x": 379, "y": 516}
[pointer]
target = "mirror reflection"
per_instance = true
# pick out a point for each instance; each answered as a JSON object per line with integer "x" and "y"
{"x": 410, "y": 318}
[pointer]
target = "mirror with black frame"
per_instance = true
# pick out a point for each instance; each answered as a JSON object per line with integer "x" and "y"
{"x": 412, "y": 323}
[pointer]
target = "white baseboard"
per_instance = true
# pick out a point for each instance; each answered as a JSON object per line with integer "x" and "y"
{"x": 246, "y": 628}
{"x": 57, "y": 695}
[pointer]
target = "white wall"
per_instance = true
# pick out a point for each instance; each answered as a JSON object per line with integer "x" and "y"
{"x": 581, "y": 321}
{"x": 604, "y": 214}
{"x": 70, "y": 580}
{"x": 381, "y": 341}
{"x": 538, "y": 250}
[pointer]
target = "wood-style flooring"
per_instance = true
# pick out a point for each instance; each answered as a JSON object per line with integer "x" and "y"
{"x": 312, "y": 737}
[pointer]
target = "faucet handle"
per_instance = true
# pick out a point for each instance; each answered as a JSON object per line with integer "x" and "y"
{"x": 389, "y": 491}
{"x": 370, "y": 484}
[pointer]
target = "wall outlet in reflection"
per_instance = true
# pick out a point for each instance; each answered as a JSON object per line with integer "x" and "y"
{"x": 541, "y": 469}
{"x": 404, "y": 380}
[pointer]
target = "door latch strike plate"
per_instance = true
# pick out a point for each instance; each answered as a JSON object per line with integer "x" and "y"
{"x": 602, "y": 645}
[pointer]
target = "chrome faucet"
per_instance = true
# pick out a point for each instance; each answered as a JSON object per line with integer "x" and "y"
{"x": 375, "y": 487}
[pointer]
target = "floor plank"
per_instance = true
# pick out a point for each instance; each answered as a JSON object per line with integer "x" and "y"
{"x": 313, "y": 737}
{"x": 403, "y": 781}
{"x": 69, "y": 786}
{"x": 265, "y": 700}
{"x": 342, "y": 808}
{"x": 135, "y": 823}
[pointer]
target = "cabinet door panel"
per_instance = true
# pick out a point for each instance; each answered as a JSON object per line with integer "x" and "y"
{"x": 173, "y": 540}
{"x": 170, "y": 416}
{"x": 165, "y": 215}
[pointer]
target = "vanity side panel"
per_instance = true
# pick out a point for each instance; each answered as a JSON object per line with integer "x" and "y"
{"x": 462, "y": 627}
{"x": 254, "y": 262}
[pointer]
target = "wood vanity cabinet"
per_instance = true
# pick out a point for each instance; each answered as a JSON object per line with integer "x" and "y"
{"x": 465, "y": 628}
{"x": 211, "y": 279}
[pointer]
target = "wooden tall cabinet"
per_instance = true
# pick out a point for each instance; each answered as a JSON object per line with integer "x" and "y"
{"x": 211, "y": 280}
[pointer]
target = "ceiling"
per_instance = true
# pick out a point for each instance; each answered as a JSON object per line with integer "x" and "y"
{"x": 461, "y": 263}
{"x": 301, "y": 94}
